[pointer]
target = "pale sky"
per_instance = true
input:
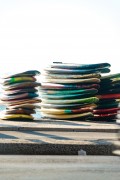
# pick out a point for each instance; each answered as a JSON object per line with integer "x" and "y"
{"x": 34, "y": 33}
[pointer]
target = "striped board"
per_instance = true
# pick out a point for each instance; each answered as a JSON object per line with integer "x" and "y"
{"x": 18, "y": 80}
{"x": 65, "y": 111}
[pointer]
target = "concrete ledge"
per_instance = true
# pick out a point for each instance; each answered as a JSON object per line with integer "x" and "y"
{"x": 58, "y": 125}
{"x": 56, "y": 143}
{"x": 54, "y": 149}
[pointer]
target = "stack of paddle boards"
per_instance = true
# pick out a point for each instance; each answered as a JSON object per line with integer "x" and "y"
{"x": 109, "y": 98}
{"x": 20, "y": 95}
{"x": 68, "y": 91}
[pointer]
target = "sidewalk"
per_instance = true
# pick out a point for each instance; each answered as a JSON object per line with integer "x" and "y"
{"x": 59, "y": 167}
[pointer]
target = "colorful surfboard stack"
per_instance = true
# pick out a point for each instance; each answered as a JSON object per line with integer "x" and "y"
{"x": 109, "y": 98}
{"x": 20, "y": 95}
{"x": 68, "y": 91}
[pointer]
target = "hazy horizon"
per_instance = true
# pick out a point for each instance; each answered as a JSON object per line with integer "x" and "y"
{"x": 34, "y": 33}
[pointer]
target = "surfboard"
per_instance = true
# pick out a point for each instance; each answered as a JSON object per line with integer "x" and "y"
{"x": 107, "y": 105}
{"x": 20, "y": 111}
{"x": 109, "y": 96}
{"x": 67, "y": 116}
{"x": 110, "y": 81}
{"x": 20, "y": 91}
{"x": 20, "y": 96}
{"x": 79, "y": 66}
{"x": 66, "y": 111}
{"x": 23, "y": 101}
{"x": 110, "y": 91}
{"x": 105, "y": 111}
{"x": 111, "y": 118}
{"x": 21, "y": 85}
{"x": 61, "y": 101}
{"x": 66, "y": 96}
{"x": 16, "y": 116}
{"x": 70, "y": 81}
{"x": 68, "y": 86}
{"x": 76, "y": 71}
{"x": 18, "y": 80}
{"x": 106, "y": 101}
{"x": 66, "y": 92}
{"x": 25, "y": 73}
{"x": 28, "y": 106}
{"x": 105, "y": 115}
{"x": 70, "y": 76}
{"x": 70, "y": 106}
{"x": 107, "y": 87}
{"x": 110, "y": 76}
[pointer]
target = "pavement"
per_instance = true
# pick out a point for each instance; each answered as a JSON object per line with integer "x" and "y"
{"x": 59, "y": 167}
{"x": 57, "y": 137}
